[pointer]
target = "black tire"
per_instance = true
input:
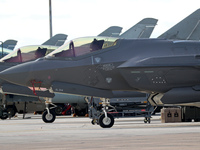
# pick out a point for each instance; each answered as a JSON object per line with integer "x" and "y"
{"x": 11, "y": 111}
{"x": 106, "y": 122}
{"x": 49, "y": 118}
{"x": 58, "y": 110}
{"x": 4, "y": 115}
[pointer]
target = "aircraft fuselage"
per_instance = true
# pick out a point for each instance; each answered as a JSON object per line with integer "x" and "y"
{"x": 149, "y": 65}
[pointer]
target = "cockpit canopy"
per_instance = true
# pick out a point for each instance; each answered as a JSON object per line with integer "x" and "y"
{"x": 81, "y": 46}
{"x": 28, "y": 53}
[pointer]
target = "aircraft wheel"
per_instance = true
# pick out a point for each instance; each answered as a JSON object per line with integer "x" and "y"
{"x": 4, "y": 115}
{"x": 11, "y": 111}
{"x": 48, "y": 118}
{"x": 58, "y": 110}
{"x": 106, "y": 122}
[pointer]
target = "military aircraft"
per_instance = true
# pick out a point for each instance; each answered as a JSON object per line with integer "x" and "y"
{"x": 97, "y": 66}
{"x": 28, "y": 53}
{"x": 24, "y": 54}
{"x": 182, "y": 30}
{"x": 100, "y": 80}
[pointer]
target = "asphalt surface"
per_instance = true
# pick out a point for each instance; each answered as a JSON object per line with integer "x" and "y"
{"x": 68, "y": 133}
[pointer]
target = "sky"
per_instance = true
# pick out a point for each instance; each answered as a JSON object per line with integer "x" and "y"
{"x": 27, "y": 21}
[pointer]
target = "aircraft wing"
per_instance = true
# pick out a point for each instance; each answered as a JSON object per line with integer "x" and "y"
{"x": 142, "y": 29}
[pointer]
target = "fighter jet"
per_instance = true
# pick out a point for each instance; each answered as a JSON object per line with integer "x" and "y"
{"x": 97, "y": 66}
{"x": 23, "y": 54}
{"x": 29, "y": 53}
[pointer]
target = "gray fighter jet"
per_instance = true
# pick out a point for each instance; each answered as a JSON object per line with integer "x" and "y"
{"x": 96, "y": 66}
{"x": 23, "y": 54}
{"x": 29, "y": 53}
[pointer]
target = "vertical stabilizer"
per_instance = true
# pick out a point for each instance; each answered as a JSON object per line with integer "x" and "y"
{"x": 56, "y": 40}
{"x": 187, "y": 29}
{"x": 142, "y": 29}
{"x": 112, "y": 31}
{"x": 9, "y": 44}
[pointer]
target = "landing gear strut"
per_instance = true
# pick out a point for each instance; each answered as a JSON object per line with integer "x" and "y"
{"x": 48, "y": 115}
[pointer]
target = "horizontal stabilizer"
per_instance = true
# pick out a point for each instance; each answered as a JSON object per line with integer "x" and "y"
{"x": 56, "y": 40}
{"x": 187, "y": 29}
{"x": 142, "y": 29}
{"x": 25, "y": 91}
{"x": 61, "y": 87}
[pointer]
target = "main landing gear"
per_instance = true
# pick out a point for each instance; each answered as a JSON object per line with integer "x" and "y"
{"x": 99, "y": 113}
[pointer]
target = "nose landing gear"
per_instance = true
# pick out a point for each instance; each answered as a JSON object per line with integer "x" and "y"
{"x": 48, "y": 115}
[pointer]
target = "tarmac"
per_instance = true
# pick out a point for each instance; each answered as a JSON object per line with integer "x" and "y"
{"x": 68, "y": 133}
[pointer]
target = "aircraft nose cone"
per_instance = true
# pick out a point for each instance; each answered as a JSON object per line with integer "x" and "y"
{"x": 17, "y": 74}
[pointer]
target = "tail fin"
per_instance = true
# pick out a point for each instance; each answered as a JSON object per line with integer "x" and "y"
{"x": 187, "y": 29}
{"x": 112, "y": 31}
{"x": 142, "y": 29}
{"x": 56, "y": 40}
{"x": 9, "y": 44}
